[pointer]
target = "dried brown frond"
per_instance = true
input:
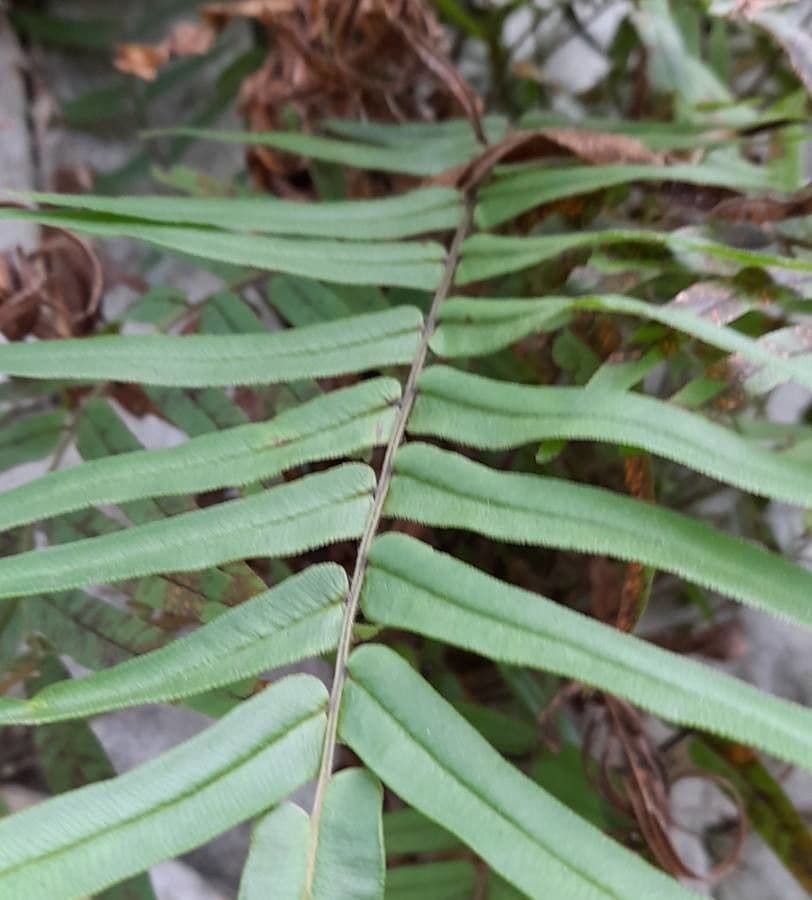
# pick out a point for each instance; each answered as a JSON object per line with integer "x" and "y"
{"x": 634, "y": 779}
{"x": 596, "y": 147}
{"x": 761, "y": 210}
{"x": 51, "y": 291}
{"x": 383, "y": 60}
{"x": 145, "y": 60}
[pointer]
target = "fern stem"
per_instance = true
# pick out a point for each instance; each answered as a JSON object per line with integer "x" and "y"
{"x": 371, "y": 529}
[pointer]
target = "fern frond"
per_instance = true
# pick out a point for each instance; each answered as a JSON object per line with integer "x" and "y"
{"x": 407, "y": 831}
{"x": 493, "y": 415}
{"x": 426, "y": 752}
{"x": 487, "y": 255}
{"x": 296, "y": 620}
{"x": 278, "y": 855}
{"x": 452, "y": 880}
{"x": 349, "y": 855}
{"x": 319, "y": 351}
{"x": 404, "y": 264}
{"x": 237, "y": 768}
{"x": 350, "y": 861}
{"x": 514, "y": 192}
{"x": 413, "y": 213}
{"x": 442, "y": 757}
{"x": 441, "y": 488}
{"x": 93, "y": 633}
{"x": 29, "y": 438}
{"x": 316, "y": 510}
{"x": 411, "y": 586}
{"x": 471, "y": 327}
{"x": 417, "y": 151}
{"x": 328, "y": 427}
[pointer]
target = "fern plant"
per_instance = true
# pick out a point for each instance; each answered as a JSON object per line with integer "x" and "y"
{"x": 456, "y": 788}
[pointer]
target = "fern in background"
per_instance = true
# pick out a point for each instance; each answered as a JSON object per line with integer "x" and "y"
{"x": 400, "y": 418}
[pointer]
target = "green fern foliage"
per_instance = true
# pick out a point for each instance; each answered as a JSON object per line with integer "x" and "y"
{"x": 223, "y": 548}
{"x": 244, "y": 764}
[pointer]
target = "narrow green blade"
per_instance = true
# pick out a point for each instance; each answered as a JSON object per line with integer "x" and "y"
{"x": 414, "y": 264}
{"x": 91, "y": 631}
{"x": 277, "y": 860}
{"x": 511, "y": 194}
{"x": 411, "y": 586}
{"x": 452, "y": 880}
{"x": 488, "y": 255}
{"x": 495, "y": 415}
{"x": 477, "y": 327}
{"x": 349, "y": 859}
{"x": 71, "y": 756}
{"x": 317, "y": 351}
{"x": 347, "y": 856}
{"x": 427, "y": 151}
{"x": 432, "y": 758}
{"x": 406, "y": 831}
{"x": 298, "y": 619}
{"x": 328, "y": 427}
{"x": 109, "y": 831}
{"x": 413, "y": 213}
{"x": 447, "y": 490}
{"x": 283, "y": 521}
{"x": 29, "y": 438}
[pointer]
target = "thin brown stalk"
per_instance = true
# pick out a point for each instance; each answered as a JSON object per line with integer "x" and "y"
{"x": 371, "y": 529}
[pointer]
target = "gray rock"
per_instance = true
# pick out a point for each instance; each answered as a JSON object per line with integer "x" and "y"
{"x": 16, "y": 168}
{"x": 174, "y": 880}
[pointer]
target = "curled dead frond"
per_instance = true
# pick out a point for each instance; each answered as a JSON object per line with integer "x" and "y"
{"x": 51, "y": 291}
{"x": 632, "y": 776}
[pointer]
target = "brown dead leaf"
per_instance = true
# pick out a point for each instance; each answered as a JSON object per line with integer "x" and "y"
{"x": 75, "y": 179}
{"x": 191, "y": 39}
{"x": 529, "y": 71}
{"x": 605, "y": 587}
{"x": 145, "y": 60}
{"x": 134, "y": 399}
{"x": 761, "y": 210}
{"x": 141, "y": 60}
{"x": 639, "y": 480}
{"x": 446, "y": 73}
{"x": 603, "y": 148}
{"x": 600, "y": 148}
{"x": 51, "y": 291}
{"x": 618, "y": 591}
{"x": 219, "y": 14}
